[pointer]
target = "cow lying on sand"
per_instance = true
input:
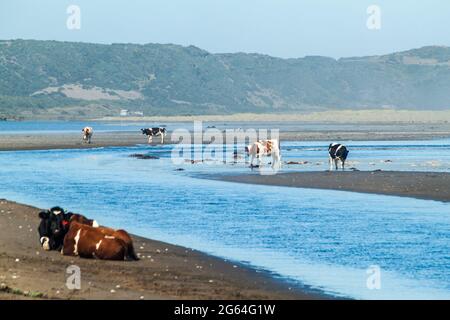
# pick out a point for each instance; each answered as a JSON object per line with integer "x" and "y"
{"x": 87, "y": 134}
{"x": 51, "y": 234}
{"x": 338, "y": 152}
{"x": 151, "y": 132}
{"x": 264, "y": 148}
{"x": 75, "y": 235}
{"x": 100, "y": 243}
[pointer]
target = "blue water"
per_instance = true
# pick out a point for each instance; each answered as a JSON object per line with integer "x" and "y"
{"x": 323, "y": 239}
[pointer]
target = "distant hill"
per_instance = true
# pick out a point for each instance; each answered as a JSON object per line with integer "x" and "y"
{"x": 64, "y": 79}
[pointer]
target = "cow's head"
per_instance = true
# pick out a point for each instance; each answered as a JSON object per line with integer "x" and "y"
{"x": 144, "y": 131}
{"x": 51, "y": 229}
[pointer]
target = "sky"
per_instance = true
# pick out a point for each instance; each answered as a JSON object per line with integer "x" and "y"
{"x": 282, "y": 28}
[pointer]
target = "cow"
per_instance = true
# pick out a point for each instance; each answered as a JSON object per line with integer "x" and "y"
{"x": 264, "y": 148}
{"x": 337, "y": 152}
{"x": 151, "y": 132}
{"x": 89, "y": 242}
{"x": 51, "y": 233}
{"x": 59, "y": 229}
{"x": 109, "y": 232}
{"x": 54, "y": 225}
{"x": 87, "y": 134}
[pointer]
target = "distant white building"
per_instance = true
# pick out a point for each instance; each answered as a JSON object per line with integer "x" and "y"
{"x": 123, "y": 113}
{"x": 138, "y": 113}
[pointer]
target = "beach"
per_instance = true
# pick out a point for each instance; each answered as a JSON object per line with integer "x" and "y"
{"x": 422, "y": 185}
{"x": 164, "y": 272}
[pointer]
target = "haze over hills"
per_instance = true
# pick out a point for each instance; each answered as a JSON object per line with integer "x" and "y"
{"x": 75, "y": 80}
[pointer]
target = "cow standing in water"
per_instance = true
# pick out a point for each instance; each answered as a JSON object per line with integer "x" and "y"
{"x": 338, "y": 152}
{"x": 87, "y": 134}
{"x": 151, "y": 132}
{"x": 264, "y": 148}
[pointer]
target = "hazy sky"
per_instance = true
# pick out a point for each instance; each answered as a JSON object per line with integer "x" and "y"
{"x": 284, "y": 28}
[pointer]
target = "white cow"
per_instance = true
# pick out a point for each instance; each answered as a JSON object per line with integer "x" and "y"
{"x": 87, "y": 134}
{"x": 265, "y": 148}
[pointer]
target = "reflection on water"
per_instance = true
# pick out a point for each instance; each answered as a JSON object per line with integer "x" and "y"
{"x": 326, "y": 239}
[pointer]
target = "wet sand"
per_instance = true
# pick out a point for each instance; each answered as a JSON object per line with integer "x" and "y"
{"x": 164, "y": 272}
{"x": 422, "y": 185}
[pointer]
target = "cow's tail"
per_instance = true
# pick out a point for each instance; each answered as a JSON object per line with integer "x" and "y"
{"x": 131, "y": 254}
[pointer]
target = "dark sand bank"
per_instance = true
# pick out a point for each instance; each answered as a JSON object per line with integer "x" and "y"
{"x": 164, "y": 272}
{"x": 423, "y": 185}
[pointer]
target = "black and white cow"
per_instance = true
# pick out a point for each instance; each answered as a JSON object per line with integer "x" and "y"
{"x": 151, "y": 132}
{"x": 54, "y": 225}
{"x": 338, "y": 152}
{"x": 51, "y": 233}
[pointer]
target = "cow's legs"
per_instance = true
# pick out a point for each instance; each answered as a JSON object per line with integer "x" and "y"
{"x": 162, "y": 138}
{"x": 343, "y": 164}
{"x": 336, "y": 160}
{"x": 251, "y": 160}
{"x": 276, "y": 160}
{"x": 150, "y": 139}
{"x": 330, "y": 160}
{"x": 259, "y": 160}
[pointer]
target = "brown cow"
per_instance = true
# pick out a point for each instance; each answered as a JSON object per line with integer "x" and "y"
{"x": 87, "y": 134}
{"x": 89, "y": 242}
{"x": 119, "y": 234}
{"x": 262, "y": 148}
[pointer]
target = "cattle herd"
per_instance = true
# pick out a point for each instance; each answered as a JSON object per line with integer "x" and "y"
{"x": 258, "y": 149}
{"x": 75, "y": 235}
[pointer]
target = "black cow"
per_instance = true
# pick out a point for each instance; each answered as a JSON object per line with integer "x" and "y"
{"x": 51, "y": 228}
{"x": 151, "y": 132}
{"x": 337, "y": 152}
{"x": 54, "y": 226}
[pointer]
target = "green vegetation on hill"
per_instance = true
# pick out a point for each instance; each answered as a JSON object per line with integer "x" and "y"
{"x": 63, "y": 79}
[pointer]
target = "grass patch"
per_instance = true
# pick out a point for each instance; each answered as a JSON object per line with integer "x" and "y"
{"x": 29, "y": 294}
